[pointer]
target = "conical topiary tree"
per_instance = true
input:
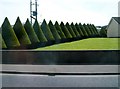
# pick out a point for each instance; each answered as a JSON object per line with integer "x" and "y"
{"x": 54, "y": 31}
{"x": 95, "y": 29}
{"x": 59, "y": 30}
{"x": 92, "y": 30}
{"x": 31, "y": 33}
{"x": 46, "y": 30}
{"x": 71, "y": 30}
{"x": 75, "y": 30}
{"x": 9, "y": 35}
{"x": 65, "y": 30}
{"x": 95, "y": 33}
{"x": 39, "y": 32}
{"x": 2, "y": 42}
{"x": 87, "y": 30}
{"x": 83, "y": 30}
{"x": 79, "y": 30}
{"x": 21, "y": 33}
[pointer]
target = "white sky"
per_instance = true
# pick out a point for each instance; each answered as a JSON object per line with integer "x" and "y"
{"x": 98, "y": 12}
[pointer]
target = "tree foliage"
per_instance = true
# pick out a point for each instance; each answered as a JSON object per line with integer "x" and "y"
{"x": 31, "y": 33}
{"x": 9, "y": 35}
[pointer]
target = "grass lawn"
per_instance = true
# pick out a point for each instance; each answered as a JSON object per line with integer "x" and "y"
{"x": 87, "y": 44}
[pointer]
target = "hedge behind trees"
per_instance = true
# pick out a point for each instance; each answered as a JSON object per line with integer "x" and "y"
{"x": 54, "y": 31}
{"x": 9, "y": 35}
{"x": 65, "y": 30}
{"x": 39, "y": 32}
{"x": 46, "y": 30}
{"x": 31, "y": 33}
{"x": 21, "y": 33}
{"x": 59, "y": 30}
{"x": 103, "y": 32}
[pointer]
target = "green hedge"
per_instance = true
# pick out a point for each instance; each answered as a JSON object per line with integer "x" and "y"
{"x": 75, "y": 30}
{"x": 9, "y": 35}
{"x": 103, "y": 32}
{"x": 21, "y": 33}
{"x": 54, "y": 31}
{"x": 31, "y": 33}
{"x": 65, "y": 30}
{"x": 46, "y": 30}
{"x": 70, "y": 30}
{"x": 59, "y": 30}
{"x": 39, "y": 32}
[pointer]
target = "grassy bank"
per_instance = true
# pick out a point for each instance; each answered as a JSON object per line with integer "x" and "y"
{"x": 87, "y": 44}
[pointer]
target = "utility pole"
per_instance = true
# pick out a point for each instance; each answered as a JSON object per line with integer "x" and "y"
{"x": 33, "y": 14}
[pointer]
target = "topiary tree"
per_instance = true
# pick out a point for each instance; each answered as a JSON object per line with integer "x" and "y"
{"x": 95, "y": 30}
{"x": 54, "y": 31}
{"x": 87, "y": 30}
{"x": 65, "y": 30}
{"x": 21, "y": 33}
{"x": 79, "y": 30}
{"x": 59, "y": 30}
{"x": 9, "y": 35}
{"x": 83, "y": 30}
{"x": 39, "y": 32}
{"x": 31, "y": 33}
{"x": 91, "y": 30}
{"x": 2, "y": 42}
{"x": 46, "y": 30}
{"x": 71, "y": 30}
{"x": 75, "y": 30}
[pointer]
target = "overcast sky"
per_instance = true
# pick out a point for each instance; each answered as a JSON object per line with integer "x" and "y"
{"x": 98, "y": 12}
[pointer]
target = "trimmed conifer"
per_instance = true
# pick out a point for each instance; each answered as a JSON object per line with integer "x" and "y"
{"x": 31, "y": 33}
{"x": 83, "y": 30}
{"x": 46, "y": 30}
{"x": 79, "y": 30}
{"x": 87, "y": 30}
{"x": 39, "y": 32}
{"x": 59, "y": 30}
{"x": 9, "y": 35}
{"x": 54, "y": 31}
{"x": 71, "y": 30}
{"x": 91, "y": 30}
{"x": 95, "y": 33}
{"x": 75, "y": 31}
{"x": 65, "y": 30}
{"x": 2, "y": 43}
{"x": 21, "y": 33}
{"x": 95, "y": 29}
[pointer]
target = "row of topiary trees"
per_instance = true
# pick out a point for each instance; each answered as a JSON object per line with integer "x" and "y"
{"x": 24, "y": 36}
